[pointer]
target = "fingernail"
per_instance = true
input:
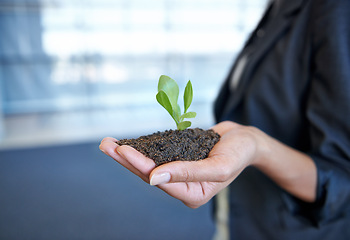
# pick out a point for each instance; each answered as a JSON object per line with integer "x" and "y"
{"x": 160, "y": 178}
{"x": 118, "y": 152}
{"x": 100, "y": 147}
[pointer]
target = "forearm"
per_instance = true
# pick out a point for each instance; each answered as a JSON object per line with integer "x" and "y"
{"x": 292, "y": 170}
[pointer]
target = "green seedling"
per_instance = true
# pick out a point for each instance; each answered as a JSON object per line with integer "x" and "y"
{"x": 167, "y": 96}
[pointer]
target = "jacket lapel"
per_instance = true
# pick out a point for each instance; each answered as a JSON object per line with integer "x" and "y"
{"x": 260, "y": 46}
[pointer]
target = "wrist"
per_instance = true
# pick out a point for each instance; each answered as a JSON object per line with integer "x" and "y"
{"x": 262, "y": 148}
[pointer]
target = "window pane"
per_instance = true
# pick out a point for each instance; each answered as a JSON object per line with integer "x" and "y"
{"x": 105, "y": 56}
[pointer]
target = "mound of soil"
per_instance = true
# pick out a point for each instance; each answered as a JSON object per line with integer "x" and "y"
{"x": 173, "y": 145}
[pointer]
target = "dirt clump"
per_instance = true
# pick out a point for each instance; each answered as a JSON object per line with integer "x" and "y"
{"x": 191, "y": 144}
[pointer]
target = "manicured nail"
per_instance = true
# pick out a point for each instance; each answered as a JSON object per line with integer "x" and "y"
{"x": 160, "y": 178}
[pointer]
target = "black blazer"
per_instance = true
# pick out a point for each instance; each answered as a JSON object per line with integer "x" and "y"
{"x": 296, "y": 88}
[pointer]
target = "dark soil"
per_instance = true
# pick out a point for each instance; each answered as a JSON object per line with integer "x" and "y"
{"x": 174, "y": 145}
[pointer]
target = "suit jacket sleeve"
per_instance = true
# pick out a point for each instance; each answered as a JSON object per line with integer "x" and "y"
{"x": 328, "y": 108}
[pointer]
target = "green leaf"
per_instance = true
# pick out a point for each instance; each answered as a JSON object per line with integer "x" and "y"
{"x": 188, "y": 115}
{"x": 163, "y": 100}
{"x": 167, "y": 96}
{"x": 188, "y": 95}
{"x": 184, "y": 125}
{"x": 170, "y": 87}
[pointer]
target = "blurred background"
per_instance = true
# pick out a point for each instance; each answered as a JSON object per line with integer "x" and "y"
{"x": 75, "y": 71}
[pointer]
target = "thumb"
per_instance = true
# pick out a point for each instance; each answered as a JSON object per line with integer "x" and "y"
{"x": 211, "y": 169}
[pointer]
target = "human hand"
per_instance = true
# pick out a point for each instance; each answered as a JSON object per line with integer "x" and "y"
{"x": 193, "y": 182}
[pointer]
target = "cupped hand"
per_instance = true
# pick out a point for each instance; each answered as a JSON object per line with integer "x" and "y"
{"x": 193, "y": 182}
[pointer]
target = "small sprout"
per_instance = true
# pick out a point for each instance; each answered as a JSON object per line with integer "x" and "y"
{"x": 167, "y": 96}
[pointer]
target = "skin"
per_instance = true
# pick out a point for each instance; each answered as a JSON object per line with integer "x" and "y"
{"x": 195, "y": 183}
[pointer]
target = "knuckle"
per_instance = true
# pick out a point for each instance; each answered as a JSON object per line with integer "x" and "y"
{"x": 186, "y": 175}
{"x": 224, "y": 174}
{"x": 230, "y": 123}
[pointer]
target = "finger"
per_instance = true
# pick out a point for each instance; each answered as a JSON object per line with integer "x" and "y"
{"x": 111, "y": 139}
{"x": 140, "y": 162}
{"x": 212, "y": 169}
{"x": 109, "y": 147}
